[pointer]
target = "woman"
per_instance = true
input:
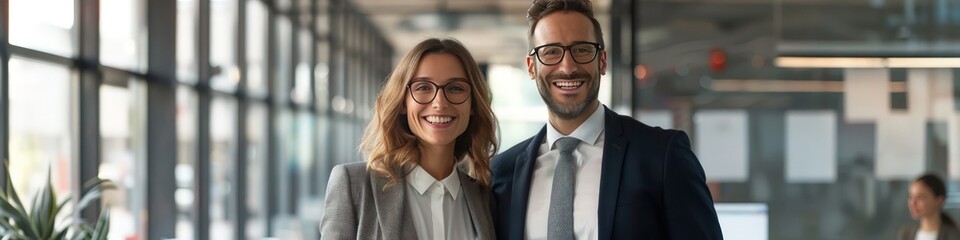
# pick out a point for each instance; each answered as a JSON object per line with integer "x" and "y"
{"x": 428, "y": 151}
{"x": 925, "y": 202}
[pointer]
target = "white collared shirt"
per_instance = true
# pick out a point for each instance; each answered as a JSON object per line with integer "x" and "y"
{"x": 439, "y": 208}
{"x": 589, "y": 155}
{"x": 924, "y": 235}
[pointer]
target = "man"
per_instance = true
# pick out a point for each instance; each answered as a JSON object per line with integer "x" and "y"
{"x": 591, "y": 173}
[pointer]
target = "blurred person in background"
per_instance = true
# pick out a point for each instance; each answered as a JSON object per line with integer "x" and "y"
{"x": 428, "y": 152}
{"x": 927, "y": 195}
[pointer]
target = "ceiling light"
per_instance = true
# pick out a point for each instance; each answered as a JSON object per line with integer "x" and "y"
{"x": 867, "y": 62}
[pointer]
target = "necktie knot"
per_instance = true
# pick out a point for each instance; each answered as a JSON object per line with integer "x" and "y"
{"x": 566, "y": 145}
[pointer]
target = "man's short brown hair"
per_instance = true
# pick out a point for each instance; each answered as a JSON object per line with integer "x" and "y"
{"x": 542, "y": 8}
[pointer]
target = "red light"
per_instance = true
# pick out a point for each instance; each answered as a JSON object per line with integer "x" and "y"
{"x": 640, "y": 71}
{"x": 718, "y": 60}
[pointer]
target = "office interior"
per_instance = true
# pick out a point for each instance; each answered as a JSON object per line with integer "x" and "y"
{"x": 221, "y": 119}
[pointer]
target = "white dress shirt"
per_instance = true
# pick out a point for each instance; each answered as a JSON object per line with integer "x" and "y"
{"x": 589, "y": 155}
{"x": 439, "y": 208}
{"x": 924, "y": 235}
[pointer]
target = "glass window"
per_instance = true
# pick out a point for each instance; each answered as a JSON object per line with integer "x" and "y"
{"x": 305, "y": 159}
{"x": 121, "y": 162}
{"x": 323, "y": 19}
{"x": 186, "y": 160}
{"x": 256, "y": 47}
{"x": 223, "y": 145}
{"x": 122, "y": 34}
{"x": 256, "y": 171}
{"x": 282, "y": 77}
{"x": 44, "y": 25}
{"x": 187, "y": 40}
{"x": 223, "y": 42}
{"x": 283, "y": 4}
{"x": 872, "y": 132}
{"x": 301, "y": 87}
{"x": 322, "y": 76}
{"x": 518, "y": 106}
{"x": 40, "y": 141}
{"x": 325, "y": 156}
{"x": 286, "y": 223}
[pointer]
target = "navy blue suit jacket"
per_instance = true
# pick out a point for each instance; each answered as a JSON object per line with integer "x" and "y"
{"x": 651, "y": 185}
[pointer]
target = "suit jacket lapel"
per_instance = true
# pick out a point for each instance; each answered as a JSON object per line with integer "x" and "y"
{"x": 521, "y": 187}
{"x": 472, "y": 193}
{"x": 614, "y": 150}
{"x": 390, "y": 211}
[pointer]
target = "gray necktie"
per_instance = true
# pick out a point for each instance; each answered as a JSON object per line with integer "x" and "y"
{"x": 560, "y": 220}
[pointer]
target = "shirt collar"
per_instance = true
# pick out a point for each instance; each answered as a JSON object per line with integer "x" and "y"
{"x": 421, "y": 180}
{"x": 588, "y": 132}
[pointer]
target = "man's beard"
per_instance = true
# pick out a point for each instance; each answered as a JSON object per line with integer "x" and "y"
{"x": 568, "y": 112}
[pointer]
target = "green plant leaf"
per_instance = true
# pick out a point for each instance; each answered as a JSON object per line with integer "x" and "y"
{"x": 88, "y": 199}
{"x": 61, "y": 206}
{"x": 20, "y": 219}
{"x": 43, "y": 210}
{"x": 93, "y": 182}
{"x": 11, "y": 232}
{"x": 81, "y": 234}
{"x": 59, "y": 235}
{"x": 12, "y": 236}
{"x": 96, "y": 187}
{"x": 103, "y": 226}
{"x": 53, "y": 208}
{"x": 35, "y": 215}
{"x": 84, "y": 231}
{"x": 12, "y": 192}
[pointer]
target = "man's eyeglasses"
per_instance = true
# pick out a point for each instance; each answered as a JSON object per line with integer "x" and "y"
{"x": 552, "y": 54}
{"x": 423, "y": 92}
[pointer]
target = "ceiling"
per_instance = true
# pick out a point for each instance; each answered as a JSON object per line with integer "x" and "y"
{"x": 493, "y": 30}
{"x": 682, "y": 32}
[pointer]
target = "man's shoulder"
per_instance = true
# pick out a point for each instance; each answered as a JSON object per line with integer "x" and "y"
{"x": 633, "y": 128}
{"x": 509, "y": 156}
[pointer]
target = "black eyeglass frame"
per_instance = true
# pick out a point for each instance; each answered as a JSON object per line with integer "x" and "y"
{"x": 566, "y": 49}
{"x": 437, "y": 89}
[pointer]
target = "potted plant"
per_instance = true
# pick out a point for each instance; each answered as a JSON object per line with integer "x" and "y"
{"x": 41, "y": 221}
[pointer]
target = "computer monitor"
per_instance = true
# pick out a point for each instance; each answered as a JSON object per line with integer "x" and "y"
{"x": 743, "y": 221}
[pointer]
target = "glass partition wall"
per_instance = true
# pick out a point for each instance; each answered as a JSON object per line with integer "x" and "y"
{"x": 820, "y": 113}
{"x": 214, "y": 118}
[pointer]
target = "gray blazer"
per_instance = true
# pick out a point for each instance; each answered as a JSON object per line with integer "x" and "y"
{"x": 357, "y": 206}
{"x": 947, "y": 232}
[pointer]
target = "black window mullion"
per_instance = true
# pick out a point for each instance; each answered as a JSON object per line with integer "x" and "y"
{"x": 240, "y": 163}
{"x": 312, "y": 63}
{"x": 89, "y": 102}
{"x": 204, "y": 98}
{"x": 4, "y": 84}
{"x": 315, "y": 133}
{"x": 273, "y": 136}
{"x": 161, "y": 119}
{"x": 292, "y": 192}
{"x": 42, "y": 56}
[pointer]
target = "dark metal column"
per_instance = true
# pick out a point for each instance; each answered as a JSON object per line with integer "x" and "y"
{"x": 273, "y": 148}
{"x": 634, "y": 26}
{"x": 315, "y": 134}
{"x": 4, "y": 92}
{"x": 956, "y": 90}
{"x": 292, "y": 184}
{"x": 201, "y": 230}
{"x": 161, "y": 119}
{"x": 88, "y": 15}
{"x": 619, "y": 65}
{"x": 243, "y": 104}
